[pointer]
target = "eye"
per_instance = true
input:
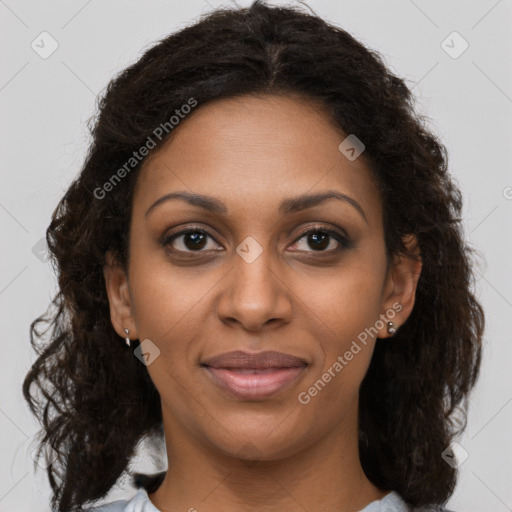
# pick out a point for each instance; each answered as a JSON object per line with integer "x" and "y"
{"x": 190, "y": 240}
{"x": 319, "y": 239}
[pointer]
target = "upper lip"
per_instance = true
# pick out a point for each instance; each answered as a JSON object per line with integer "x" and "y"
{"x": 258, "y": 361}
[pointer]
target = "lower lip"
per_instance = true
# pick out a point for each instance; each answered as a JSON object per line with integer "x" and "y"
{"x": 254, "y": 386}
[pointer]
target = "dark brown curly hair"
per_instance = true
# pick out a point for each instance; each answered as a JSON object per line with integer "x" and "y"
{"x": 95, "y": 400}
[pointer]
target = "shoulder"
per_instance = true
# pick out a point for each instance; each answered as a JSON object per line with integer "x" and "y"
{"x": 138, "y": 503}
{"x": 115, "y": 506}
{"x": 393, "y": 502}
{"x": 432, "y": 508}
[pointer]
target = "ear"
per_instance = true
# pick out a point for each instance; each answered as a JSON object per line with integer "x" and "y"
{"x": 400, "y": 286}
{"x": 121, "y": 308}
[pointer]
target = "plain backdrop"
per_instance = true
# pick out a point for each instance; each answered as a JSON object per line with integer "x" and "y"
{"x": 46, "y": 102}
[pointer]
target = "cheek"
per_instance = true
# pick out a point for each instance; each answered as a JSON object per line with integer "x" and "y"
{"x": 169, "y": 310}
{"x": 346, "y": 350}
{"x": 166, "y": 306}
{"x": 164, "y": 297}
{"x": 346, "y": 301}
{"x": 342, "y": 309}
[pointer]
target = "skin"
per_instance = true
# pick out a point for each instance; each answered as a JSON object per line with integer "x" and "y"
{"x": 251, "y": 153}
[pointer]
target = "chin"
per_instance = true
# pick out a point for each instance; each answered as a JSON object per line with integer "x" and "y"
{"x": 272, "y": 443}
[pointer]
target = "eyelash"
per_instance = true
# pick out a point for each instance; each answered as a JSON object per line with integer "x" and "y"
{"x": 344, "y": 241}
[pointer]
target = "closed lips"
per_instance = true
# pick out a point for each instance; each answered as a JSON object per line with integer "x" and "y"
{"x": 252, "y": 377}
{"x": 240, "y": 360}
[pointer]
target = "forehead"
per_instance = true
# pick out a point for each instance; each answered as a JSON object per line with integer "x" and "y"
{"x": 254, "y": 151}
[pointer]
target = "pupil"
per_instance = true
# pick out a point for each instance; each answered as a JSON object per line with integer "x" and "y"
{"x": 324, "y": 242}
{"x": 197, "y": 239}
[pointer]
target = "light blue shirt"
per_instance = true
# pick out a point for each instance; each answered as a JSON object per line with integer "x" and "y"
{"x": 392, "y": 502}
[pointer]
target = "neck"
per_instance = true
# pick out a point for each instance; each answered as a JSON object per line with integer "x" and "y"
{"x": 326, "y": 475}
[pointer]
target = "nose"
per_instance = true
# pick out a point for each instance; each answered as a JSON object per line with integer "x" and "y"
{"x": 254, "y": 295}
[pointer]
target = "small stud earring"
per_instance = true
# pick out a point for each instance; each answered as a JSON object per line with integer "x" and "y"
{"x": 127, "y": 339}
{"x": 391, "y": 328}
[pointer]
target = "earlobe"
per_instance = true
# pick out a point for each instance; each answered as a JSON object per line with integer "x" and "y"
{"x": 403, "y": 276}
{"x": 121, "y": 310}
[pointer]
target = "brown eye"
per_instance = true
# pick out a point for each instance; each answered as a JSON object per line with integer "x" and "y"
{"x": 318, "y": 240}
{"x": 191, "y": 240}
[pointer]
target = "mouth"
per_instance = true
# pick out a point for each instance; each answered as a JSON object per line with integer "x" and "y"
{"x": 254, "y": 376}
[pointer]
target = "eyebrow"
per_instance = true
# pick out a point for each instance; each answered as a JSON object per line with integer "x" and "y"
{"x": 290, "y": 205}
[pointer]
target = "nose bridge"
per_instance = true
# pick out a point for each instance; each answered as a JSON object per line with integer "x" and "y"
{"x": 253, "y": 264}
{"x": 255, "y": 293}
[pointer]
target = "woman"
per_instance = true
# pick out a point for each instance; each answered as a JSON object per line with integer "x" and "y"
{"x": 261, "y": 262}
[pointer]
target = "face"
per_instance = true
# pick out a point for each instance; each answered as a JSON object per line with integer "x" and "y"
{"x": 258, "y": 265}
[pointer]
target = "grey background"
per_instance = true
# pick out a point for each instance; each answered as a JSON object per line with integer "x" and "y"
{"x": 45, "y": 104}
